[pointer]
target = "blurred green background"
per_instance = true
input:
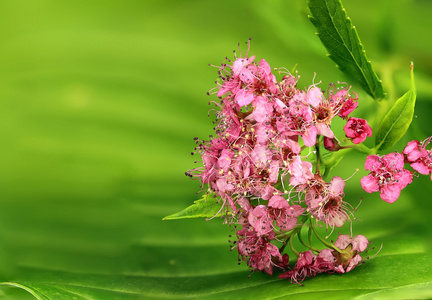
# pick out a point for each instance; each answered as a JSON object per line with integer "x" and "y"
{"x": 99, "y": 104}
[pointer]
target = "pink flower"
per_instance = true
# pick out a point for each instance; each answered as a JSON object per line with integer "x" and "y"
{"x": 297, "y": 119}
{"x": 273, "y": 172}
{"x": 288, "y": 144}
{"x": 345, "y": 103}
{"x": 288, "y": 85}
{"x": 259, "y": 253}
{"x": 245, "y": 204}
{"x": 325, "y": 201}
{"x": 328, "y": 260}
{"x": 413, "y": 151}
{"x": 348, "y": 108}
{"x": 224, "y": 160}
{"x": 264, "y": 133}
{"x": 267, "y": 192}
{"x": 239, "y": 73}
{"x": 419, "y": 158}
{"x": 304, "y": 268}
{"x": 301, "y": 171}
{"x": 244, "y": 97}
{"x": 349, "y": 257}
{"x": 260, "y": 155}
{"x": 359, "y": 243}
{"x": 325, "y": 261}
{"x": 324, "y": 130}
{"x": 314, "y": 96}
{"x": 326, "y": 109}
{"x": 284, "y": 214}
{"x": 267, "y": 79}
{"x": 387, "y": 176}
{"x": 357, "y": 129}
{"x": 309, "y": 135}
{"x": 246, "y": 80}
{"x": 223, "y": 185}
{"x": 309, "y": 265}
{"x": 240, "y": 64}
{"x": 263, "y": 109}
{"x": 232, "y": 86}
{"x": 261, "y": 220}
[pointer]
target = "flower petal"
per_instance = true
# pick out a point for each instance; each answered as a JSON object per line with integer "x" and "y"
{"x": 369, "y": 183}
{"x": 390, "y": 193}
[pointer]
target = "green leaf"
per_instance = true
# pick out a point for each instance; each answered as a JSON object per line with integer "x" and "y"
{"x": 397, "y": 121}
{"x": 365, "y": 281}
{"x": 339, "y": 36}
{"x": 207, "y": 207}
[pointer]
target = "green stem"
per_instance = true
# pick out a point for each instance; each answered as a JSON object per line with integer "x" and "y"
{"x": 363, "y": 149}
{"x": 304, "y": 244}
{"x": 288, "y": 236}
{"x": 292, "y": 247}
{"x": 310, "y": 233}
{"x": 284, "y": 245}
{"x": 324, "y": 241}
{"x": 317, "y": 156}
{"x": 326, "y": 172}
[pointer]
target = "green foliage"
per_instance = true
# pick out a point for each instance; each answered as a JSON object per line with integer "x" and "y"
{"x": 339, "y": 36}
{"x": 206, "y": 207}
{"x": 387, "y": 275}
{"x": 397, "y": 121}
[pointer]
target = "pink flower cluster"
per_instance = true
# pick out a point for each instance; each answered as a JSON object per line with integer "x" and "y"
{"x": 388, "y": 174}
{"x": 258, "y": 129}
{"x": 256, "y": 165}
{"x": 259, "y": 224}
{"x": 342, "y": 259}
{"x": 419, "y": 158}
{"x": 263, "y": 164}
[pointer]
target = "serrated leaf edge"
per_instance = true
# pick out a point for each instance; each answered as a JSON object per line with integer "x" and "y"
{"x": 354, "y": 30}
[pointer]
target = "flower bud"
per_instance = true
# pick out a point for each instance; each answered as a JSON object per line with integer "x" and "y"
{"x": 331, "y": 144}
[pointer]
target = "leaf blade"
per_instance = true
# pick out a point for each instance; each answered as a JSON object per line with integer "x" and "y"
{"x": 397, "y": 121}
{"x": 340, "y": 37}
{"x": 206, "y": 207}
{"x": 364, "y": 280}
